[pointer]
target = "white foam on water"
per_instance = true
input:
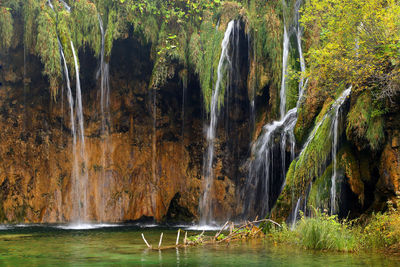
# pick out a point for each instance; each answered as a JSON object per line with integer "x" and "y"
{"x": 203, "y": 227}
{"x": 85, "y": 226}
{"x": 146, "y": 225}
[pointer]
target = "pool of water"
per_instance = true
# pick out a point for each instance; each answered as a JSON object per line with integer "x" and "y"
{"x": 122, "y": 245}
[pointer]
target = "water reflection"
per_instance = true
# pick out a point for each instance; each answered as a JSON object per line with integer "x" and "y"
{"x": 49, "y": 246}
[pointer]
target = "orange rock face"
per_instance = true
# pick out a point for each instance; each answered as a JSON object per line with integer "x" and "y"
{"x": 389, "y": 181}
{"x": 133, "y": 171}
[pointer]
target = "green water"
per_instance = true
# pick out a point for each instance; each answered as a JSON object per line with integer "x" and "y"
{"x": 123, "y": 246}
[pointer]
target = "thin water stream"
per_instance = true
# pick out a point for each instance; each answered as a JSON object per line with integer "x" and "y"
{"x": 206, "y": 202}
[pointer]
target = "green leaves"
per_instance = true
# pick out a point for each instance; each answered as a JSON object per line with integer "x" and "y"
{"x": 358, "y": 42}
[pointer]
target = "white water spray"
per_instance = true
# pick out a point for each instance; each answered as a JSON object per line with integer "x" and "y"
{"x": 205, "y": 202}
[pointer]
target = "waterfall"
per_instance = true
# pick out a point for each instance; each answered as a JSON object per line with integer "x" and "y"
{"x": 205, "y": 201}
{"x": 271, "y": 158}
{"x": 335, "y": 109}
{"x": 295, "y": 213}
{"x": 299, "y": 34}
{"x": 75, "y": 172}
{"x": 335, "y": 147}
{"x": 66, "y": 6}
{"x": 78, "y": 181}
{"x": 50, "y": 4}
{"x": 282, "y": 107}
{"x": 81, "y": 185}
{"x": 154, "y": 154}
{"x": 335, "y": 142}
{"x": 268, "y": 166}
{"x": 104, "y": 75}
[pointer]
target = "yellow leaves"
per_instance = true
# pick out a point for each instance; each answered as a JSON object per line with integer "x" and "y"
{"x": 358, "y": 39}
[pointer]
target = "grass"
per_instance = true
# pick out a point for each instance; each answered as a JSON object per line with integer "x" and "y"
{"x": 325, "y": 232}
{"x": 320, "y": 232}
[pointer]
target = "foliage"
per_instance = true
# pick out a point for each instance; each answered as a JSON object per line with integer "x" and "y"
{"x": 319, "y": 232}
{"x": 30, "y": 12}
{"x": 313, "y": 158}
{"x": 365, "y": 121}
{"x": 383, "y": 229}
{"x": 181, "y": 33}
{"x": 85, "y": 25}
{"x": 6, "y": 28}
{"x": 358, "y": 44}
{"x": 203, "y": 55}
{"x": 320, "y": 191}
{"x": 196, "y": 239}
{"x": 265, "y": 28}
{"x": 326, "y": 232}
{"x": 47, "y": 47}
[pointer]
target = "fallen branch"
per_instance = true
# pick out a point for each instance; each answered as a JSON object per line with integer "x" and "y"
{"x": 161, "y": 236}
{"x": 245, "y": 231}
{"x": 177, "y": 238}
{"x": 145, "y": 241}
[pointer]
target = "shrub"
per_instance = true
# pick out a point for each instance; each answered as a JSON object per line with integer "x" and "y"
{"x": 324, "y": 232}
{"x": 383, "y": 229}
{"x": 320, "y": 232}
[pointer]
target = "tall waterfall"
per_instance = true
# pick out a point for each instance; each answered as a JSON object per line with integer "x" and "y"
{"x": 299, "y": 33}
{"x": 274, "y": 150}
{"x": 282, "y": 107}
{"x": 81, "y": 182}
{"x": 104, "y": 75}
{"x": 335, "y": 110}
{"x": 79, "y": 178}
{"x": 205, "y": 201}
{"x": 335, "y": 148}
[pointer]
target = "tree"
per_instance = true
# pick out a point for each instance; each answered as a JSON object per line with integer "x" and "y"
{"x": 358, "y": 44}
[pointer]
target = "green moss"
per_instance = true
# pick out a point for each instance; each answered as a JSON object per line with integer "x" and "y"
{"x": 365, "y": 124}
{"x": 319, "y": 195}
{"x": 6, "y": 28}
{"x": 283, "y": 204}
{"x": 292, "y": 93}
{"x": 352, "y": 167}
{"x": 30, "y": 12}
{"x": 85, "y": 25}
{"x": 205, "y": 48}
{"x": 266, "y": 28}
{"x": 114, "y": 30}
{"x": 313, "y": 158}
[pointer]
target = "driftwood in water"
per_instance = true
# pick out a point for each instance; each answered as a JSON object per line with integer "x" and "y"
{"x": 248, "y": 230}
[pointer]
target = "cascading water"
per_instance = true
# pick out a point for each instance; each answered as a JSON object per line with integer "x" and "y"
{"x": 335, "y": 148}
{"x": 335, "y": 141}
{"x": 79, "y": 173}
{"x": 205, "y": 201}
{"x": 82, "y": 180}
{"x": 104, "y": 75}
{"x": 70, "y": 99}
{"x": 268, "y": 166}
{"x": 66, "y": 6}
{"x": 271, "y": 159}
{"x": 282, "y": 107}
{"x": 335, "y": 110}
{"x": 299, "y": 34}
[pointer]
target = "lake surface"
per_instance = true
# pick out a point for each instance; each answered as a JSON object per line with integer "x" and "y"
{"x": 122, "y": 245}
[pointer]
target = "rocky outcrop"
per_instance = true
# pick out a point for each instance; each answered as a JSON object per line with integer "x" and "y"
{"x": 149, "y": 165}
